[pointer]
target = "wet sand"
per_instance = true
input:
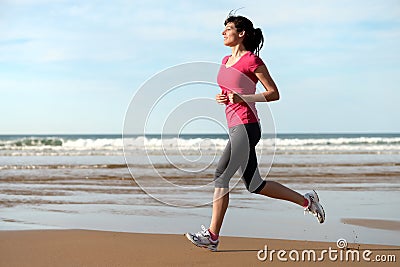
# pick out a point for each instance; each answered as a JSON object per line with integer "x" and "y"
{"x": 98, "y": 248}
{"x": 374, "y": 223}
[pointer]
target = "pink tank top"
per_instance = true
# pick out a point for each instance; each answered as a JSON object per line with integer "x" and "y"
{"x": 240, "y": 78}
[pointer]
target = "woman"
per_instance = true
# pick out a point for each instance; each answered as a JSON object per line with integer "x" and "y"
{"x": 237, "y": 78}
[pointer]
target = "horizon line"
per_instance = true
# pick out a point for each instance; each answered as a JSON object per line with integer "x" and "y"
{"x": 210, "y": 133}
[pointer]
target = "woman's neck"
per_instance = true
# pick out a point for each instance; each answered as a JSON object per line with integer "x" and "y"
{"x": 238, "y": 50}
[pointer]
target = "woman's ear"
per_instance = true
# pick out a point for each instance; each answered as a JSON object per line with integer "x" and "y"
{"x": 242, "y": 33}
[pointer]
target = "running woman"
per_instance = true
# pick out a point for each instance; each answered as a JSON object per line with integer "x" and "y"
{"x": 237, "y": 78}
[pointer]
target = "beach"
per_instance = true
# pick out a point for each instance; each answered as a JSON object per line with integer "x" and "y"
{"x": 95, "y": 248}
{"x": 100, "y": 200}
{"x": 116, "y": 115}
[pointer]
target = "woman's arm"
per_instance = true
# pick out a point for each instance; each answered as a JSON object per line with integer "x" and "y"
{"x": 271, "y": 94}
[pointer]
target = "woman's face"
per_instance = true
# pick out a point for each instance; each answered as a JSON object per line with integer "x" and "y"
{"x": 231, "y": 36}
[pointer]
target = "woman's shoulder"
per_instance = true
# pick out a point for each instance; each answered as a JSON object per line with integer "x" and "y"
{"x": 253, "y": 61}
{"x": 253, "y": 57}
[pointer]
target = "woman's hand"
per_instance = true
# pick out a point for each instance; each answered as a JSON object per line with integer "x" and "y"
{"x": 235, "y": 98}
{"x": 221, "y": 98}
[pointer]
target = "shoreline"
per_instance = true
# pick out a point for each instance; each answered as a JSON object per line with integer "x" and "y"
{"x": 104, "y": 248}
{"x": 268, "y": 218}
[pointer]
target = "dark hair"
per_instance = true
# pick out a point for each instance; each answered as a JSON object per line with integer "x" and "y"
{"x": 253, "y": 40}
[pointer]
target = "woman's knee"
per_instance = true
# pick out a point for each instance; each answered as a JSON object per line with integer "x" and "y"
{"x": 221, "y": 182}
{"x": 255, "y": 188}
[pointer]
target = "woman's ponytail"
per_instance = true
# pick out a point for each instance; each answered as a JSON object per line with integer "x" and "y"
{"x": 258, "y": 41}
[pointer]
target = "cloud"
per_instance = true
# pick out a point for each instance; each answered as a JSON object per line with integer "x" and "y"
{"x": 58, "y": 47}
{"x": 292, "y": 13}
{"x": 96, "y": 32}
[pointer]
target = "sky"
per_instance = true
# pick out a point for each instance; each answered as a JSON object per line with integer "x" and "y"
{"x": 73, "y": 67}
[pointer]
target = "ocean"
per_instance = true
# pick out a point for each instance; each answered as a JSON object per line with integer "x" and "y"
{"x": 163, "y": 183}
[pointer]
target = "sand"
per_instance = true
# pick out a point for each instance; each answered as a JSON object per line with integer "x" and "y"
{"x": 99, "y": 248}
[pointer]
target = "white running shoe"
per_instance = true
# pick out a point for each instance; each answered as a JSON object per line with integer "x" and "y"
{"x": 203, "y": 239}
{"x": 314, "y": 207}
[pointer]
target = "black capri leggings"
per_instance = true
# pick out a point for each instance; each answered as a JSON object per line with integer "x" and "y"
{"x": 240, "y": 154}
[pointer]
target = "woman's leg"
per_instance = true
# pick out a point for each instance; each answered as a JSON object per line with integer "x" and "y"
{"x": 234, "y": 156}
{"x": 220, "y": 205}
{"x": 254, "y": 183}
{"x": 310, "y": 201}
{"x": 279, "y": 191}
{"x": 221, "y": 192}
{"x": 251, "y": 175}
